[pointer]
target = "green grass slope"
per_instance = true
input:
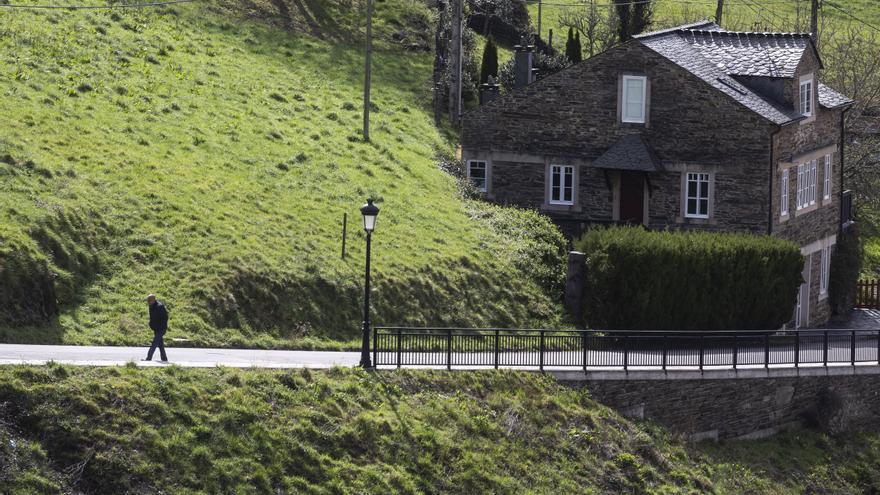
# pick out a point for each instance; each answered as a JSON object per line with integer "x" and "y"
{"x": 207, "y": 152}
{"x": 185, "y": 431}
{"x": 746, "y": 15}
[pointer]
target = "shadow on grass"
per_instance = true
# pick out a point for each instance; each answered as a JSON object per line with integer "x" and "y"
{"x": 51, "y": 333}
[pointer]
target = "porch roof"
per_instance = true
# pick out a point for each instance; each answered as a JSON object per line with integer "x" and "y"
{"x": 629, "y": 153}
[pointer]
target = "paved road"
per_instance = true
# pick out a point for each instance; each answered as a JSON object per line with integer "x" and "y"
{"x": 188, "y": 357}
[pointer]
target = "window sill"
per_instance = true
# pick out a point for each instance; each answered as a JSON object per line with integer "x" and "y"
{"x": 809, "y": 120}
{"x": 696, "y": 221}
{"x": 807, "y": 209}
{"x": 784, "y": 218}
{"x": 827, "y": 201}
{"x": 560, "y": 207}
{"x": 822, "y": 296}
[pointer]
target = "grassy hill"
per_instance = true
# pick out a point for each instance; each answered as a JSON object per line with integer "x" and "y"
{"x": 747, "y": 15}
{"x": 173, "y": 430}
{"x": 207, "y": 152}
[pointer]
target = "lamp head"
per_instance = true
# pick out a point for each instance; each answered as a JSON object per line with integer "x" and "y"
{"x": 370, "y": 212}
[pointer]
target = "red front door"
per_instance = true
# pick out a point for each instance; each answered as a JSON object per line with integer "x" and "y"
{"x": 632, "y": 197}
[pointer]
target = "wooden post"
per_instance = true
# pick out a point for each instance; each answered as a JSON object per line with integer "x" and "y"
{"x": 539, "y": 18}
{"x": 719, "y": 11}
{"x": 814, "y": 19}
{"x": 368, "y": 69}
{"x": 344, "y": 227}
{"x": 455, "y": 90}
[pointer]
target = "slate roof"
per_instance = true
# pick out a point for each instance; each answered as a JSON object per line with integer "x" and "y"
{"x": 715, "y": 55}
{"x": 750, "y": 54}
{"x": 829, "y": 98}
{"x": 629, "y": 153}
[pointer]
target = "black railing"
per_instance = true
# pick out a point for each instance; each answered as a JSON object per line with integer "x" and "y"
{"x": 847, "y": 213}
{"x": 519, "y": 348}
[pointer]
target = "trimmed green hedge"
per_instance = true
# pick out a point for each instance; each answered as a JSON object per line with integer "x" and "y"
{"x": 846, "y": 265}
{"x": 637, "y": 279}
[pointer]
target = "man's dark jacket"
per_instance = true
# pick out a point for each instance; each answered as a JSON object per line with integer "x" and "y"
{"x": 158, "y": 317}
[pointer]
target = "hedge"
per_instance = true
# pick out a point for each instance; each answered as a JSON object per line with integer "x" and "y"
{"x": 640, "y": 280}
{"x": 846, "y": 266}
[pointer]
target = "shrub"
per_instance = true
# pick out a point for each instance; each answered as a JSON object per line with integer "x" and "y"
{"x": 636, "y": 279}
{"x": 846, "y": 264}
{"x": 489, "y": 67}
{"x": 538, "y": 250}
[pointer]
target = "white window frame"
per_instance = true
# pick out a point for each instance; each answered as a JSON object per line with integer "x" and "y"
{"x": 698, "y": 177}
{"x": 824, "y": 271}
{"x": 814, "y": 180}
{"x": 801, "y": 193}
{"x": 624, "y": 95}
{"x": 805, "y": 95}
{"x": 566, "y": 175}
{"x": 807, "y": 176}
{"x": 470, "y": 165}
{"x": 826, "y": 179}
{"x": 783, "y": 199}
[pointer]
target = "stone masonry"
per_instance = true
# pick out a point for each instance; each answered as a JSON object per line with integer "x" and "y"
{"x": 693, "y": 123}
{"x": 748, "y": 406}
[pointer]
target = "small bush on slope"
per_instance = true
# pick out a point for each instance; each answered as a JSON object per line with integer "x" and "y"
{"x": 209, "y": 159}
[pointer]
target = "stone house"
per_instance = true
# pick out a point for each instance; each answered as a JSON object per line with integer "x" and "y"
{"x": 693, "y": 127}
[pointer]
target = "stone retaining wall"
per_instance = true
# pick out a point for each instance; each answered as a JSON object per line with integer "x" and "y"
{"x": 749, "y": 404}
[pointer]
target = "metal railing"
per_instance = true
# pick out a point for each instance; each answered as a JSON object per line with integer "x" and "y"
{"x": 521, "y": 348}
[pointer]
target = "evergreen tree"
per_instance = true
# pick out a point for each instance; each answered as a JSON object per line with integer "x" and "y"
{"x": 578, "y": 53}
{"x": 623, "y": 19}
{"x": 489, "y": 67}
{"x": 569, "y": 46}
{"x": 643, "y": 15}
{"x": 634, "y": 17}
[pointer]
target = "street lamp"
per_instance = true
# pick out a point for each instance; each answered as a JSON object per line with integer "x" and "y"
{"x": 370, "y": 212}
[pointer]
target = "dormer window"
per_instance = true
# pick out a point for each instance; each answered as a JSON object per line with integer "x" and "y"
{"x": 806, "y": 96}
{"x": 633, "y": 99}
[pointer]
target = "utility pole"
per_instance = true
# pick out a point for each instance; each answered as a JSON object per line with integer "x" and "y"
{"x": 455, "y": 90}
{"x": 368, "y": 69}
{"x": 719, "y": 11}
{"x": 814, "y": 20}
{"x": 539, "y": 18}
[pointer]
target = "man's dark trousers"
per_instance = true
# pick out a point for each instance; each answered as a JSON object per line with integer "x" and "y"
{"x": 157, "y": 342}
{"x": 159, "y": 324}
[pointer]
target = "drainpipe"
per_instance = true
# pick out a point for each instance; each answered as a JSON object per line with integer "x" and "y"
{"x": 842, "y": 144}
{"x": 770, "y": 183}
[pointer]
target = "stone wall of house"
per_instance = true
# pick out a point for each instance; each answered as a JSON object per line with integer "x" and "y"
{"x": 571, "y": 117}
{"x": 746, "y": 407}
{"x": 822, "y": 221}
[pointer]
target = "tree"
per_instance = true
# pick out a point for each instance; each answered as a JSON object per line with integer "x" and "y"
{"x": 569, "y": 45}
{"x": 576, "y": 48}
{"x": 643, "y": 16}
{"x": 600, "y": 30}
{"x": 489, "y": 67}
{"x": 623, "y": 16}
{"x": 635, "y": 17}
{"x": 852, "y": 60}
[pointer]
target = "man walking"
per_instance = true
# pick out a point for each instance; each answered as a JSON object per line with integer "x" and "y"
{"x": 159, "y": 324}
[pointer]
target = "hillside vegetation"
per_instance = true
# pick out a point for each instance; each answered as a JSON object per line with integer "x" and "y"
{"x": 744, "y": 15}
{"x": 185, "y": 431}
{"x": 207, "y": 152}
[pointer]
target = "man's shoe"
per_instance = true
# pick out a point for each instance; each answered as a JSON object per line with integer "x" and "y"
{"x": 146, "y": 359}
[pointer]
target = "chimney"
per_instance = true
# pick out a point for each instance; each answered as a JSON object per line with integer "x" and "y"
{"x": 523, "y": 64}
{"x": 488, "y": 91}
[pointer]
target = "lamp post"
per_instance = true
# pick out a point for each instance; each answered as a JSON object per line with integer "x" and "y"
{"x": 370, "y": 212}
